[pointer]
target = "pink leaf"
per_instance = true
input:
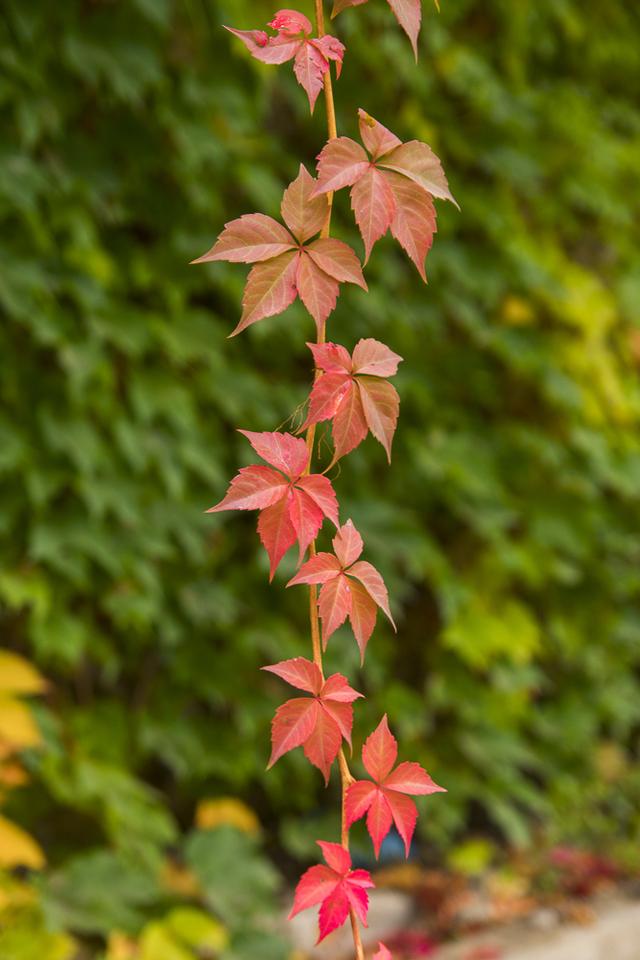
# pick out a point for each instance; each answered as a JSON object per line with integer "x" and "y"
{"x": 270, "y": 289}
{"x": 331, "y": 49}
{"x": 418, "y": 162}
{"x": 334, "y": 605}
{"x": 336, "y": 688}
{"x": 337, "y": 259}
{"x": 405, "y": 815}
{"x": 382, "y": 953}
{"x": 306, "y": 517}
{"x": 323, "y": 743}
{"x": 292, "y": 725}
{"x": 315, "y": 885}
{"x": 355, "y": 889}
{"x": 380, "y": 751}
{"x": 325, "y": 398}
{"x": 318, "y": 291}
{"x": 281, "y": 450}
{"x": 374, "y": 584}
{"x": 300, "y": 673}
{"x": 331, "y": 357}
{"x": 381, "y": 405}
{"x": 251, "y": 238}
{"x": 358, "y": 799}
{"x": 408, "y": 14}
{"x": 340, "y": 163}
{"x": 291, "y": 22}
{"x": 349, "y": 423}
{"x": 374, "y": 358}
{"x": 340, "y": 5}
{"x": 318, "y": 569}
{"x": 412, "y": 778}
{"x": 254, "y": 488}
{"x": 374, "y": 207}
{"x": 276, "y": 533}
{"x": 376, "y": 138}
{"x": 310, "y": 66}
{"x": 362, "y": 615}
{"x": 414, "y": 223}
{"x": 347, "y": 544}
{"x": 379, "y": 820}
{"x": 267, "y": 49}
{"x": 319, "y": 489}
{"x": 304, "y": 216}
{"x": 342, "y": 715}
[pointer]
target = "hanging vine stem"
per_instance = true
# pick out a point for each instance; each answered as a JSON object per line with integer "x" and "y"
{"x": 345, "y": 774}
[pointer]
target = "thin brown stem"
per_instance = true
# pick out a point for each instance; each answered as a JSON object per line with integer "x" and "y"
{"x": 345, "y": 774}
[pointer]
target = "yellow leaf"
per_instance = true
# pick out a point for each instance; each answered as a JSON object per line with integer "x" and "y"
{"x": 17, "y": 848}
{"x": 17, "y": 726}
{"x": 197, "y": 929}
{"x": 226, "y": 810}
{"x": 121, "y": 947}
{"x": 179, "y": 880}
{"x": 158, "y": 943}
{"x": 17, "y": 675}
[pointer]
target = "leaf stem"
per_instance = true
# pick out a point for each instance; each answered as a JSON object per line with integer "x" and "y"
{"x": 345, "y": 773}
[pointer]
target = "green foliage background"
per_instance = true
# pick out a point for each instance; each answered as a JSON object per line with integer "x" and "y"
{"x": 508, "y": 527}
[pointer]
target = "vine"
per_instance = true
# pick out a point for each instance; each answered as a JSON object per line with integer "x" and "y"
{"x": 392, "y": 187}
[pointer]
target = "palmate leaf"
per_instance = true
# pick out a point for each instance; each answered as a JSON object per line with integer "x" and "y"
{"x": 349, "y": 587}
{"x": 351, "y": 393}
{"x": 311, "y": 56}
{"x": 317, "y": 723}
{"x": 292, "y": 503}
{"x": 384, "y": 798}
{"x": 393, "y": 189}
{"x": 283, "y": 266}
{"x": 336, "y": 887}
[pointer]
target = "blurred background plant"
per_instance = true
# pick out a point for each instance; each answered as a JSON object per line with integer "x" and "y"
{"x": 508, "y": 531}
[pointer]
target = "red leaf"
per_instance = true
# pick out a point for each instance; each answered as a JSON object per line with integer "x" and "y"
{"x": 374, "y": 207}
{"x": 411, "y": 778}
{"x": 318, "y": 569}
{"x": 292, "y": 725}
{"x": 362, "y": 615}
{"x": 337, "y": 259}
{"x": 358, "y": 799}
{"x": 419, "y": 163}
{"x": 270, "y": 289}
{"x": 336, "y": 688}
{"x": 318, "y": 291}
{"x": 281, "y": 450}
{"x": 405, "y": 816}
{"x": 310, "y": 66}
{"x": 331, "y": 48}
{"x": 414, "y": 223}
{"x": 300, "y": 673}
{"x": 349, "y": 423}
{"x": 272, "y": 50}
{"x": 381, "y": 405}
{"x": 276, "y": 532}
{"x": 408, "y": 14}
{"x": 254, "y": 488}
{"x": 319, "y": 489}
{"x": 306, "y": 517}
{"x": 304, "y": 216}
{"x": 334, "y": 604}
{"x": 374, "y": 358}
{"x": 336, "y": 887}
{"x": 341, "y": 162}
{"x": 323, "y": 743}
{"x": 379, "y": 819}
{"x": 376, "y": 138}
{"x": 340, "y": 5}
{"x": 347, "y": 544}
{"x": 251, "y": 238}
{"x": 331, "y": 357}
{"x": 325, "y": 398}
{"x": 380, "y": 751}
{"x": 374, "y": 584}
{"x": 342, "y": 714}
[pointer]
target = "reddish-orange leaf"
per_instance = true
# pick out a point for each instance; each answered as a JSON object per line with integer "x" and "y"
{"x": 318, "y": 291}
{"x": 326, "y": 394}
{"x": 374, "y": 358}
{"x": 281, "y": 450}
{"x": 347, "y": 544}
{"x": 374, "y": 584}
{"x": 418, "y": 162}
{"x": 381, "y": 405}
{"x": 292, "y": 725}
{"x": 319, "y": 489}
{"x": 303, "y": 215}
{"x": 254, "y": 488}
{"x": 336, "y": 887}
{"x": 376, "y": 138}
{"x": 299, "y": 672}
{"x": 374, "y": 207}
{"x": 276, "y": 532}
{"x": 251, "y": 238}
{"x": 362, "y": 615}
{"x": 349, "y": 423}
{"x": 334, "y": 604}
{"x": 270, "y": 289}
{"x": 340, "y": 163}
{"x": 414, "y": 222}
{"x": 337, "y": 259}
